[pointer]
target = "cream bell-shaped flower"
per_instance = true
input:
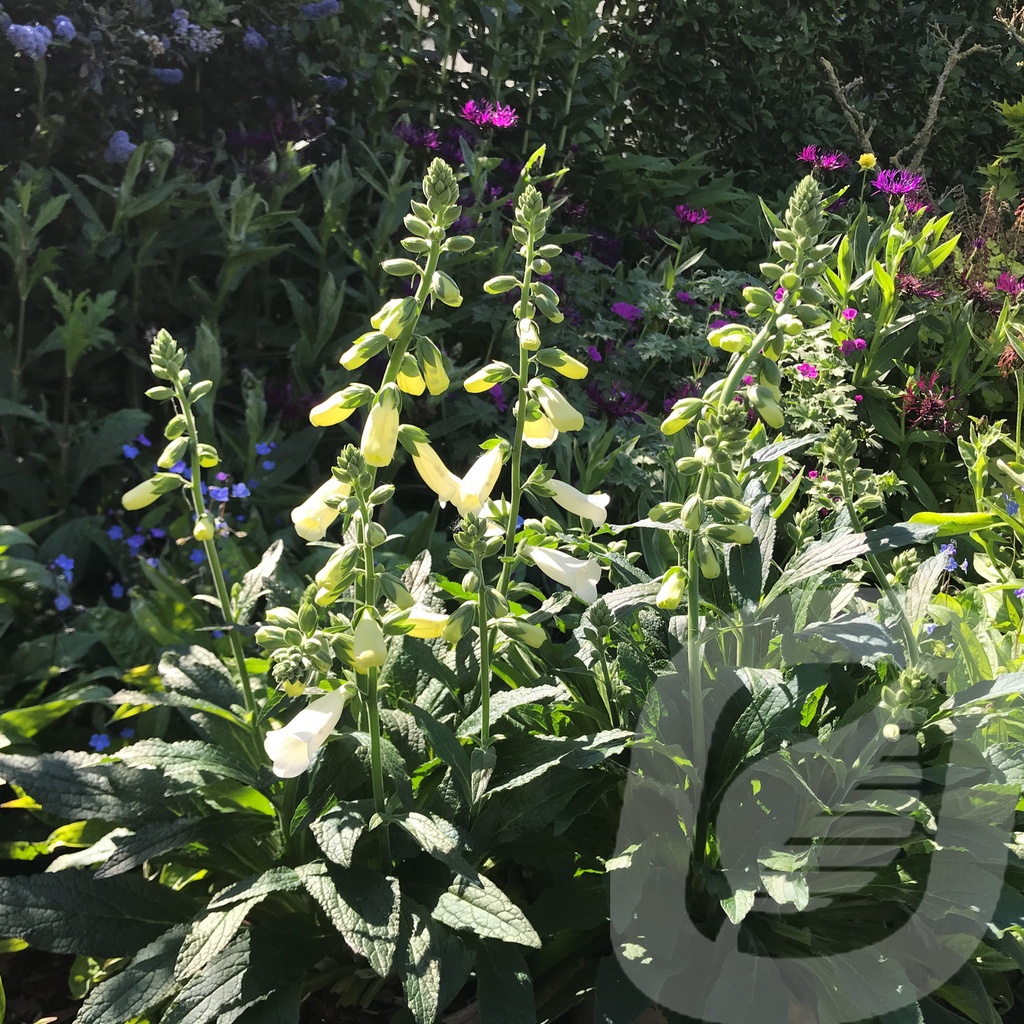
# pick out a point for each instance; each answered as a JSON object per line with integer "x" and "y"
{"x": 555, "y": 406}
{"x": 380, "y": 433}
{"x": 436, "y": 475}
{"x": 369, "y": 647}
{"x": 475, "y": 487}
{"x": 313, "y": 516}
{"x": 579, "y": 575}
{"x": 293, "y": 746}
{"x": 426, "y": 624}
{"x": 587, "y": 506}
{"x": 539, "y": 432}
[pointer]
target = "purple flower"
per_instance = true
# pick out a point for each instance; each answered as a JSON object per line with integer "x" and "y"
{"x": 66, "y": 566}
{"x": 685, "y": 298}
{"x": 897, "y": 183}
{"x": 628, "y": 313}
{"x": 780, "y": 294}
{"x": 748, "y": 380}
{"x": 1013, "y": 286}
{"x": 483, "y": 114}
{"x": 849, "y": 314}
{"x": 416, "y": 135}
{"x": 1012, "y": 507}
{"x": 63, "y": 28}
{"x": 858, "y": 399}
{"x": 594, "y": 354}
{"x": 168, "y": 76}
{"x": 847, "y": 347}
{"x": 144, "y": 441}
{"x": 1019, "y": 592}
{"x": 809, "y": 155}
{"x": 117, "y": 591}
{"x": 252, "y": 40}
{"x": 859, "y": 344}
{"x": 219, "y": 493}
{"x": 130, "y": 451}
{"x": 834, "y": 162}
{"x": 690, "y": 215}
{"x": 31, "y": 40}
{"x": 497, "y": 394}
{"x": 502, "y": 117}
{"x": 119, "y": 151}
{"x": 807, "y": 371}
{"x": 99, "y": 741}
{"x": 157, "y": 534}
{"x": 321, "y": 9}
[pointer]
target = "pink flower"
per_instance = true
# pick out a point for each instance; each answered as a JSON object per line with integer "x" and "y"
{"x": 847, "y": 347}
{"x": 849, "y": 314}
{"x": 629, "y": 313}
{"x": 685, "y": 298}
{"x": 812, "y": 474}
{"x": 858, "y": 399}
{"x": 834, "y": 162}
{"x": 780, "y": 294}
{"x": 498, "y": 397}
{"x": 483, "y": 114}
{"x": 502, "y": 117}
{"x": 859, "y": 344}
{"x": 809, "y": 155}
{"x": 691, "y": 215}
{"x": 807, "y": 371}
{"x": 594, "y": 354}
{"x": 748, "y": 380}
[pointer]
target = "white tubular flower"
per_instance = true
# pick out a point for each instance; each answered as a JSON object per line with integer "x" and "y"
{"x": 475, "y": 487}
{"x": 578, "y": 575}
{"x": 340, "y": 405}
{"x": 539, "y": 432}
{"x": 426, "y": 624}
{"x": 436, "y": 475}
{"x": 313, "y": 516}
{"x": 293, "y": 746}
{"x": 587, "y": 506}
{"x": 148, "y": 491}
{"x": 380, "y": 433}
{"x": 368, "y": 645}
{"x": 555, "y": 406}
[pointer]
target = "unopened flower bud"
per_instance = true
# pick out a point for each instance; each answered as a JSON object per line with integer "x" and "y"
{"x": 204, "y": 528}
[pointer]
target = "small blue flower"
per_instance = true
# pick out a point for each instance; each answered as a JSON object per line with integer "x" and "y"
{"x": 157, "y": 534}
{"x": 240, "y": 491}
{"x": 62, "y": 602}
{"x": 252, "y": 40}
{"x": 117, "y": 591}
{"x": 1019, "y": 592}
{"x": 130, "y": 451}
{"x": 930, "y": 628}
{"x": 66, "y": 564}
{"x": 265, "y": 447}
{"x": 179, "y": 467}
{"x": 127, "y": 734}
{"x": 115, "y": 533}
{"x": 268, "y": 464}
{"x": 197, "y": 556}
{"x": 1012, "y": 507}
{"x": 153, "y": 563}
{"x": 135, "y": 542}
{"x": 63, "y": 28}
{"x": 334, "y": 83}
{"x": 143, "y": 440}
{"x": 168, "y": 76}
{"x": 99, "y": 741}
{"x": 216, "y": 633}
{"x": 949, "y": 550}
{"x": 219, "y": 493}
{"x": 322, "y": 9}
{"x": 119, "y": 149}
{"x": 31, "y": 40}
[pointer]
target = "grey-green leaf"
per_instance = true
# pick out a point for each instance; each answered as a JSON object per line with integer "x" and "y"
{"x": 485, "y": 910}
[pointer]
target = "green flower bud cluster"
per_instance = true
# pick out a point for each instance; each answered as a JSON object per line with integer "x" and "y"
{"x": 300, "y": 652}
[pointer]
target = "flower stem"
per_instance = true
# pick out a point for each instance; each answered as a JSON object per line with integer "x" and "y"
{"x": 483, "y": 620}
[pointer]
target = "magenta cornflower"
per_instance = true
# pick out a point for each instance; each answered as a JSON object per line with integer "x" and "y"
{"x": 897, "y": 183}
{"x": 834, "y": 161}
{"x": 482, "y": 114}
{"x": 916, "y": 205}
{"x": 1007, "y": 282}
{"x": 809, "y": 155}
{"x": 594, "y": 353}
{"x": 859, "y": 344}
{"x": 629, "y": 313}
{"x": 686, "y": 298}
{"x": 812, "y": 474}
{"x": 748, "y": 380}
{"x": 807, "y": 371}
{"x": 849, "y": 313}
{"x": 691, "y": 215}
{"x": 847, "y": 347}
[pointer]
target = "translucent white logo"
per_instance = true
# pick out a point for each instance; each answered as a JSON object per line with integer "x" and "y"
{"x": 853, "y": 871}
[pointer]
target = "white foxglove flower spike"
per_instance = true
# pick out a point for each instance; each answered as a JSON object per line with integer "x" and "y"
{"x": 579, "y": 575}
{"x": 293, "y": 746}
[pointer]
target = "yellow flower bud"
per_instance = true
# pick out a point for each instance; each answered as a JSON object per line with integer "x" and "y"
{"x": 867, "y": 161}
{"x": 340, "y": 405}
{"x": 555, "y": 406}
{"x": 409, "y": 379}
{"x": 369, "y": 649}
{"x": 204, "y": 528}
{"x": 380, "y": 433}
{"x": 432, "y": 366}
{"x": 149, "y": 490}
{"x": 673, "y": 587}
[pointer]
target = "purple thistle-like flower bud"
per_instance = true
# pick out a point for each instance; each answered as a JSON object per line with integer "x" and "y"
{"x": 63, "y": 28}
{"x": 252, "y": 40}
{"x": 897, "y": 183}
{"x": 31, "y": 40}
{"x": 119, "y": 148}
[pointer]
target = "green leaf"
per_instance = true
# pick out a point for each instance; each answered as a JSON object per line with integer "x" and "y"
{"x": 505, "y": 700}
{"x": 132, "y": 992}
{"x": 73, "y": 785}
{"x": 9, "y": 408}
{"x": 485, "y": 910}
{"x": 72, "y": 912}
{"x": 337, "y": 833}
{"x": 148, "y": 842}
{"x": 432, "y": 962}
{"x": 441, "y": 839}
{"x": 446, "y": 746}
{"x": 27, "y": 721}
{"x": 363, "y": 906}
{"x": 254, "y": 583}
{"x": 504, "y": 988}
{"x": 279, "y": 879}
{"x": 952, "y": 524}
{"x": 99, "y": 445}
{"x": 189, "y": 761}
